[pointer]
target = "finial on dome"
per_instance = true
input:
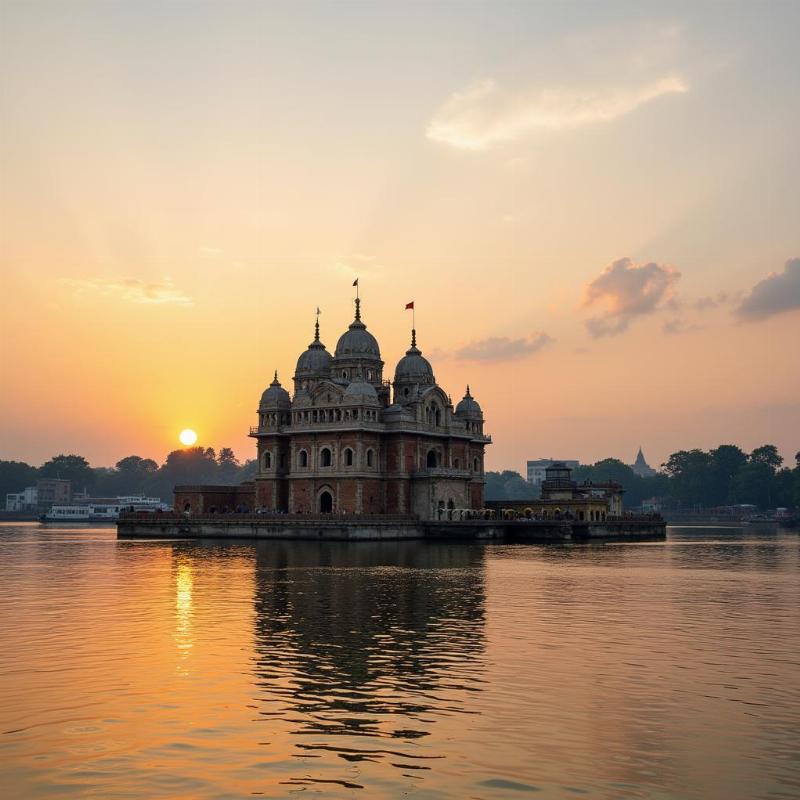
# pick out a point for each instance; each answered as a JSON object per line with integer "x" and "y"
{"x": 316, "y": 327}
{"x": 275, "y": 381}
{"x": 358, "y": 309}
{"x": 467, "y": 394}
{"x": 413, "y": 337}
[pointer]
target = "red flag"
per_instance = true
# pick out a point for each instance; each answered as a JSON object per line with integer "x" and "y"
{"x": 355, "y": 282}
{"x": 410, "y": 305}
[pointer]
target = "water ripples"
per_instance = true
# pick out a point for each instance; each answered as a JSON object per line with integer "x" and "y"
{"x": 222, "y": 670}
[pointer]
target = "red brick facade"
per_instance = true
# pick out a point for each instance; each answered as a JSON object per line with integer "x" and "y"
{"x": 346, "y": 443}
{"x": 349, "y": 442}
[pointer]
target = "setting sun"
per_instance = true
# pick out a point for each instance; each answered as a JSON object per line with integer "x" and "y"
{"x": 188, "y": 437}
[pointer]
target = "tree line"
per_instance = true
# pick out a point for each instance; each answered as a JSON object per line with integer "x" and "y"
{"x": 132, "y": 475}
{"x": 725, "y": 475}
{"x": 689, "y": 479}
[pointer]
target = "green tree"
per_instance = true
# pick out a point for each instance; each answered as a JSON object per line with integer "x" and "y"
{"x": 688, "y": 472}
{"x": 15, "y": 476}
{"x": 767, "y": 454}
{"x": 754, "y": 484}
{"x": 69, "y": 467}
{"x": 796, "y": 472}
{"x": 189, "y": 465}
{"x": 726, "y": 461}
{"x": 508, "y": 485}
{"x": 248, "y": 470}
{"x": 228, "y": 464}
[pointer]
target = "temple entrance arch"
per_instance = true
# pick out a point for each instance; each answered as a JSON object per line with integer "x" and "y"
{"x": 325, "y": 501}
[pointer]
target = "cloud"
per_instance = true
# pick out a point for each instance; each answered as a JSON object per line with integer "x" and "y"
{"x": 503, "y": 348}
{"x": 778, "y": 292}
{"x": 131, "y": 290}
{"x": 483, "y": 115}
{"x": 708, "y": 302}
{"x": 676, "y": 326}
{"x": 625, "y": 291}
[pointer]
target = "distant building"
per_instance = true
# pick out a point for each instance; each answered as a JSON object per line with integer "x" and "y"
{"x": 641, "y": 467}
{"x": 537, "y": 470}
{"x": 564, "y": 498}
{"x": 26, "y": 500}
{"x": 53, "y": 492}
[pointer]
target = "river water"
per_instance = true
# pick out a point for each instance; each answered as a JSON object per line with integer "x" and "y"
{"x": 233, "y": 670}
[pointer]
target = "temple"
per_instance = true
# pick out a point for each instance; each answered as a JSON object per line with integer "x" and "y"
{"x": 348, "y": 441}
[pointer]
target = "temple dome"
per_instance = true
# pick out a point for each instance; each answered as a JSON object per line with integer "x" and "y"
{"x": 275, "y": 396}
{"x": 357, "y": 340}
{"x": 413, "y": 367}
{"x": 315, "y": 360}
{"x": 359, "y": 391}
{"x": 468, "y": 406}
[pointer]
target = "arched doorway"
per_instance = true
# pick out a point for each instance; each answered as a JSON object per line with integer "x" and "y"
{"x": 325, "y": 502}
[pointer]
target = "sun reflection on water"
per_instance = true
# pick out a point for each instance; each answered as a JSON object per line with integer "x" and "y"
{"x": 184, "y": 613}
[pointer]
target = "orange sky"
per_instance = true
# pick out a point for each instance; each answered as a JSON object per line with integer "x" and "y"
{"x": 584, "y": 203}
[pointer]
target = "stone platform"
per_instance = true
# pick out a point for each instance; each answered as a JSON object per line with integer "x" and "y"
{"x": 330, "y": 527}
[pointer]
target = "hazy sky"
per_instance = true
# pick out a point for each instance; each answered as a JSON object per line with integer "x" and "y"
{"x": 594, "y": 206}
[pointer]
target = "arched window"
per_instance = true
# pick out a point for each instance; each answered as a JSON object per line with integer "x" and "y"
{"x": 476, "y": 465}
{"x": 282, "y": 460}
{"x": 430, "y": 461}
{"x": 405, "y": 392}
{"x": 438, "y": 415}
{"x": 456, "y": 464}
{"x": 370, "y": 457}
{"x": 325, "y": 457}
{"x": 369, "y": 375}
{"x": 302, "y": 459}
{"x": 344, "y": 374}
{"x": 450, "y": 504}
{"x": 348, "y": 457}
{"x": 267, "y": 460}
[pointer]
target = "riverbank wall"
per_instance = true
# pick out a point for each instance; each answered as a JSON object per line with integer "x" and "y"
{"x": 328, "y": 527}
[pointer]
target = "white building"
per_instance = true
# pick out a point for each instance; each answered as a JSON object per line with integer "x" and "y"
{"x": 26, "y": 500}
{"x": 537, "y": 469}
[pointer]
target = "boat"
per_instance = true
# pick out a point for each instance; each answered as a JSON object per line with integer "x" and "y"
{"x": 106, "y": 511}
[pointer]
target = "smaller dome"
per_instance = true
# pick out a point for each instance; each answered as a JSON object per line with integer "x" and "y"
{"x": 468, "y": 406}
{"x": 359, "y": 391}
{"x": 275, "y": 396}
{"x": 314, "y": 361}
{"x": 413, "y": 367}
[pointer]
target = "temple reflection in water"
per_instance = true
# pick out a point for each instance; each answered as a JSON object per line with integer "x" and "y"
{"x": 371, "y": 639}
